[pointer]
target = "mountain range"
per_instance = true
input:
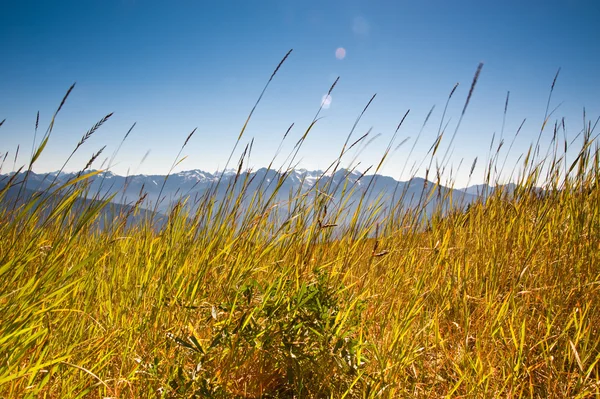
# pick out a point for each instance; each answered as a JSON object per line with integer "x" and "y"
{"x": 161, "y": 190}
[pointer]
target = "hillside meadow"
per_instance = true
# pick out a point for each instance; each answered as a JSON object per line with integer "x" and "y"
{"x": 232, "y": 300}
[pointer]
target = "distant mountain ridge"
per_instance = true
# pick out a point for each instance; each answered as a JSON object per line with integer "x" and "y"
{"x": 194, "y": 183}
{"x": 16, "y": 196}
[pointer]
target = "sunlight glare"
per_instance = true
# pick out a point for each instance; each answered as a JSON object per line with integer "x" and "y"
{"x": 326, "y": 101}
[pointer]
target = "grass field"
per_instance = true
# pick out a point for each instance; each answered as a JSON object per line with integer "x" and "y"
{"x": 500, "y": 300}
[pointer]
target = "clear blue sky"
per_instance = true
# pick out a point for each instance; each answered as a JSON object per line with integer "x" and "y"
{"x": 173, "y": 66}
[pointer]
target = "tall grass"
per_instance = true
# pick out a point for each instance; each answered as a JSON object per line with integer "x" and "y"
{"x": 250, "y": 297}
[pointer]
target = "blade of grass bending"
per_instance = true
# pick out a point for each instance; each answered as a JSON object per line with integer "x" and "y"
{"x": 462, "y": 114}
{"x": 254, "y": 108}
{"x": 415, "y": 143}
{"x": 298, "y": 145}
{"x": 176, "y": 162}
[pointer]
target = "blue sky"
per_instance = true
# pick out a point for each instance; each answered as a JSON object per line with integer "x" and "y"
{"x": 173, "y": 66}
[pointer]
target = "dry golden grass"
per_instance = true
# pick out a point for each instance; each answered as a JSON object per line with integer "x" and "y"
{"x": 498, "y": 301}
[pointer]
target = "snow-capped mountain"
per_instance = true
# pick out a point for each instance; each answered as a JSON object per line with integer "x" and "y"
{"x": 192, "y": 184}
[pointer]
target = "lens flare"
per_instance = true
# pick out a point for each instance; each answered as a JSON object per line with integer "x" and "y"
{"x": 326, "y": 101}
